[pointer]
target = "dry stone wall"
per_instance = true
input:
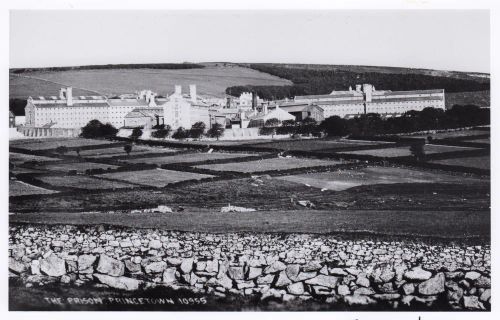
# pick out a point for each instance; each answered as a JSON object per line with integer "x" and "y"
{"x": 330, "y": 269}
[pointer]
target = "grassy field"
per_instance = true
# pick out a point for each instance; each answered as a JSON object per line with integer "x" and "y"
{"x": 473, "y": 162}
{"x": 53, "y": 143}
{"x": 269, "y": 164}
{"x": 440, "y": 224}
{"x": 83, "y": 182}
{"x": 18, "y": 158}
{"x": 78, "y": 166}
{"x": 155, "y": 177}
{"x": 22, "y": 87}
{"x": 19, "y": 188}
{"x": 315, "y": 144}
{"x": 119, "y": 151}
{"x": 405, "y": 151}
{"x": 345, "y": 179}
{"x": 211, "y": 81}
{"x": 459, "y": 134}
{"x": 188, "y": 157}
{"x": 484, "y": 140}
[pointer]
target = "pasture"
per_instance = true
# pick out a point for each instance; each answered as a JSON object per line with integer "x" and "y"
{"x": 76, "y": 166}
{"x": 345, "y": 179}
{"x": 211, "y": 80}
{"x": 18, "y": 158}
{"x": 405, "y": 151}
{"x": 154, "y": 177}
{"x": 316, "y": 145}
{"x": 270, "y": 164}
{"x": 83, "y": 182}
{"x": 53, "y": 143}
{"x": 22, "y": 87}
{"x": 19, "y": 188}
{"x": 473, "y": 162}
{"x": 120, "y": 151}
{"x": 361, "y": 191}
{"x": 187, "y": 157}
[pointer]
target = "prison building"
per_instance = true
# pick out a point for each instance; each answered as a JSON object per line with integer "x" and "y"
{"x": 365, "y": 99}
{"x": 67, "y": 111}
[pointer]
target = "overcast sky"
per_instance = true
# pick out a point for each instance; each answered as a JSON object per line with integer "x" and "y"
{"x": 448, "y": 40}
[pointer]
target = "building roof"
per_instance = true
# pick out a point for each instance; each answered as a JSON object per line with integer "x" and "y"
{"x": 128, "y": 102}
{"x": 145, "y": 112}
{"x": 300, "y": 108}
{"x": 75, "y": 105}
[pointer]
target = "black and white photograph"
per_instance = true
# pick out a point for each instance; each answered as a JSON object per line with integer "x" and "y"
{"x": 334, "y": 160}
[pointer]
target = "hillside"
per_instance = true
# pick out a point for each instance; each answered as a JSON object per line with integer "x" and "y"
{"x": 211, "y": 80}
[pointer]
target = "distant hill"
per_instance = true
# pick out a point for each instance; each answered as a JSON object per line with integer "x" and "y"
{"x": 211, "y": 80}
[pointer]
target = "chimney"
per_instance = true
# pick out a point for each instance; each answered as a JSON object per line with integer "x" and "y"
{"x": 254, "y": 100}
{"x": 62, "y": 93}
{"x": 69, "y": 96}
{"x": 178, "y": 90}
{"x": 192, "y": 92}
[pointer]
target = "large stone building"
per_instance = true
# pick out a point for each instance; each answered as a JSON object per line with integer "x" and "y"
{"x": 67, "y": 111}
{"x": 365, "y": 99}
{"x": 178, "y": 110}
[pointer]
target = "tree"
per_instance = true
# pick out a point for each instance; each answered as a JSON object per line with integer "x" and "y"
{"x": 127, "y": 148}
{"x": 216, "y": 131}
{"x": 288, "y": 123}
{"x": 197, "y": 130}
{"x": 158, "y": 126}
{"x": 417, "y": 150}
{"x": 273, "y": 122}
{"x": 162, "y": 133}
{"x": 307, "y": 126}
{"x": 334, "y": 126}
{"x": 62, "y": 149}
{"x": 136, "y": 133}
{"x": 95, "y": 129}
{"x": 180, "y": 133}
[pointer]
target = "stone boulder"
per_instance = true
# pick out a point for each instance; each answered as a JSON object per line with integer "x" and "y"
{"x": 417, "y": 274}
{"x": 85, "y": 263}
{"x": 357, "y": 300}
{"x": 53, "y": 266}
{"x": 325, "y": 281}
{"x": 433, "y": 286}
{"x": 295, "y": 288}
{"x": 16, "y": 266}
{"x": 169, "y": 275}
{"x": 120, "y": 282}
{"x": 155, "y": 267}
{"x": 187, "y": 265}
{"x": 110, "y": 266}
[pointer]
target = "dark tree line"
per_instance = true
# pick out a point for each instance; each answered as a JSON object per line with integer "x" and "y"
{"x": 427, "y": 119}
{"x": 313, "y": 81}
{"x": 185, "y": 65}
{"x": 17, "y": 106}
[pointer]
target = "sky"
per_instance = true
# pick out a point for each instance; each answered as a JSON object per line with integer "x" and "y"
{"x": 434, "y": 39}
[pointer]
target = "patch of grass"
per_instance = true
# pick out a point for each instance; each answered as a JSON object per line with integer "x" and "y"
{"x": 19, "y": 188}
{"x": 188, "y": 157}
{"x": 83, "y": 182}
{"x": 439, "y": 224}
{"x": 473, "y": 162}
{"x": 345, "y": 179}
{"x": 53, "y": 143}
{"x": 155, "y": 177}
{"x": 211, "y": 80}
{"x": 269, "y": 164}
